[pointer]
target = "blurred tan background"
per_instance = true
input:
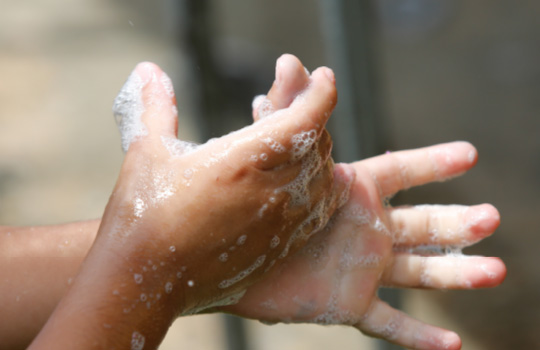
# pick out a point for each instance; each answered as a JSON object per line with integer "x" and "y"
{"x": 444, "y": 70}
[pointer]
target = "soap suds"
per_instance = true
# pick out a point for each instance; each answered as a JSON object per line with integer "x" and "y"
{"x": 274, "y": 242}
{"x": 168, "y": 287}
{"x": 128, "y": 108}
{"x": 241, "y": 240}
{"x": 137, "y": 341}
{"x": 229, "y": 300}
{"x": 261, "y": 211}
{"x": 302, "y": 143}
{"x": 264, "y": 106}
{"x": 243, "y": 274}
{"x": 334, "y": 314}
{"x": 274, "y": 145}
{"x": 312, "y": 224}
{"x": 176, "y": 147}
{"x": 223, "y": 257}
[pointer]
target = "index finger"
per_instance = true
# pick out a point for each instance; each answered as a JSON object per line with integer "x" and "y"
{"x": 401, "y": 170}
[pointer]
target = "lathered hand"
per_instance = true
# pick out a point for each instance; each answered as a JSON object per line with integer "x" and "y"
{"x": 368, "y": 244}
{"x": 191, "y": 226}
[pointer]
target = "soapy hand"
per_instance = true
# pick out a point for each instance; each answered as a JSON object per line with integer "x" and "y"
{"x": 236, "y": 205}
{"x": 368, "y": 244}
{"x": 191, "y": 226}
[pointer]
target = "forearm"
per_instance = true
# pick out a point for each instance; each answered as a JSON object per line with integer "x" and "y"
{"x": 117, "y": 299}
{"x": 37, "y": 265}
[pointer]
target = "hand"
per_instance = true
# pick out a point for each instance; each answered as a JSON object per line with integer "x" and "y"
{"x": 235, "y": 205}
{"x": 190, "y": 226}
{"x": 334, "y": 279}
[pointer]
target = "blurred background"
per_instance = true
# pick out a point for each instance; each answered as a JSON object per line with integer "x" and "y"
{"x": 410, "y": 73}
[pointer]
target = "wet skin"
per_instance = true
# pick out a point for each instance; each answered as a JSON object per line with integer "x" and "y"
{"x": 176, "y": 211}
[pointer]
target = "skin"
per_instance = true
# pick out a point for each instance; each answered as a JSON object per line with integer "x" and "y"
{"x": 318, "y": 285}
{"x": 303, "y": 287}
{"x": 160, "y": 226}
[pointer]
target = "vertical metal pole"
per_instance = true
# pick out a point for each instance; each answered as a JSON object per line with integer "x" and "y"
{"x": 349, "y": 29}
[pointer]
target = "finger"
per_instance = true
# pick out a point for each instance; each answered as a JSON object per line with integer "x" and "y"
{"x": 289, "y": 134}
{"x": 291, "y": 79}
{"x": 146, "y": 105}
{"x": 382, "y": 321}
{"x": 453, "y": 225}
{"x": 257, "y": 107}
{"x": 344, "y": 176}
{"x": 444, "y": 272}
{"x": 397, "y": 171}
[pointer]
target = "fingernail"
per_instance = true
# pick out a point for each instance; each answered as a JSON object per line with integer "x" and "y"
{"x": 330, "y": 74}
{"x": 146, "y": 71}
{"x": 279, "y": 68}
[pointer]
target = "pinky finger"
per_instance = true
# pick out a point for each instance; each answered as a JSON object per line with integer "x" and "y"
{"x": 383, "y": 321}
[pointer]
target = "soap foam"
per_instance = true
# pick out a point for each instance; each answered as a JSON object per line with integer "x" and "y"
{"x": 137, "y": 341}
{"x": 264, "y": 106}
{"x": 178, "y": 148}
{"x": 274, "y": 242}
{"x": 229, "y": 300}
{"x": 334, "y": 314}
{"x": 168, "y": 287}
{"x": 223, "y": 257}
{"x": 274, "y": 145}
{"x": 243, "y": 274}
{"x": 241, "y": 240}
{"x": 128, "y": 108}
{"x": 302, "y": 143}
{"x": 315, "y": 221}
{"x": 298, "y": 188}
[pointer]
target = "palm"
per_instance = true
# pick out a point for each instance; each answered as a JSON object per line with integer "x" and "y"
{"x": 334, "y": 279}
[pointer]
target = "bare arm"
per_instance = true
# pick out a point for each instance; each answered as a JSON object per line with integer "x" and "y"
{"x": 37, "y": 264}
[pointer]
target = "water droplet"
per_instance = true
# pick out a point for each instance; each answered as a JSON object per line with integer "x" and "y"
{"x": 241, "y": 240}
{"x": 137, "y": 341}
{"x": 168, "y": 287}
{"x": 223, "y": 257}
